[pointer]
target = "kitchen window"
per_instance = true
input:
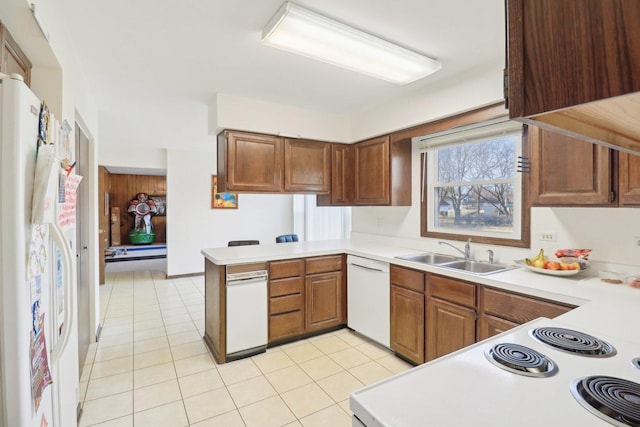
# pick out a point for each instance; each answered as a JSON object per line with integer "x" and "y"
{"x": 312, "y": 222}
{"x": 471, "y": 184}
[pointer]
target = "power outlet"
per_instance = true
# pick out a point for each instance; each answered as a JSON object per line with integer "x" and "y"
{"x": 548, "y": 236}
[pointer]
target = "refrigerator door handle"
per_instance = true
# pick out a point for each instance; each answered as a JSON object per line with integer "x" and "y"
{"x": 69, "y": 285}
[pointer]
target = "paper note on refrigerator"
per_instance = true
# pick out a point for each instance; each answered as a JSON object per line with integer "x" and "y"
{"x": 67, "y": 210}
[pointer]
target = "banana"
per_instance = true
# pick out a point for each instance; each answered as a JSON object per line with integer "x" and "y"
{"x": 528, "y": 262}
{"x": 539, "y": 256}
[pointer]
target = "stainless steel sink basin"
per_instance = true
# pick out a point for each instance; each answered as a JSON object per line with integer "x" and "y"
{"x": 476, "y": 267}
{"x": 428, "y": 258}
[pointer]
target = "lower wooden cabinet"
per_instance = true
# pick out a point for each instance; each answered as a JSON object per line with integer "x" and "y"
{"x": 407, "y": 313}
{"x": 305, "y": 296}
{"x": 323, "y": 293}
{"x": 450, "y": 327}
{"x": 407, "y": 323}
{"x": 286, "y": 299}
{"x": 502, "y": 310}
{"x": 451, "y": 315}
{"x": 489, "y": 326}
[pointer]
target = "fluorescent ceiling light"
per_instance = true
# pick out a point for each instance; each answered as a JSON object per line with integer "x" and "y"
{"x": 309, "y": 34}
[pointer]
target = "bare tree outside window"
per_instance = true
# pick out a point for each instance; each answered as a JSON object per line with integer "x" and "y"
{"x": 475, "y": 185}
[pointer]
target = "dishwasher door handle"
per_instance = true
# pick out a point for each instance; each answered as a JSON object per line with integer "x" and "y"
{"x": 238, "y": 282}
{"x": 366, "y": 268}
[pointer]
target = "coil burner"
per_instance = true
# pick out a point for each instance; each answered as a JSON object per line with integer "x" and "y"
{"x": 615, "y": 400}
{"x": 574, "y": 342}
{"x": 521, "y": 360}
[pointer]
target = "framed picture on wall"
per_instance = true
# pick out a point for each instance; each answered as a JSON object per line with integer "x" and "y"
{"x": 226, "y": 200}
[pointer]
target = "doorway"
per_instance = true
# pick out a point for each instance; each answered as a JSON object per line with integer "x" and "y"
{"x": 82, "y": 247}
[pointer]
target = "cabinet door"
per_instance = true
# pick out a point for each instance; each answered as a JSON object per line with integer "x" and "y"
{"x": 342, "y": 174}
{"x": 550, "y": 59}
{"x": 407, "y": 323}
{"x": 450, "y": 327}
{"x": 12, "y": 59}
{"x": 372, "y": 172}
{"x": 324, "y": 301}
{"x": 253, "y": 162}
{"x": 489, "y": 326}
{"x": 629, "y": 176}
{"x": 568, "y": 171}
{"x": 307, "y": 166}
{"x": 519, "y": 308}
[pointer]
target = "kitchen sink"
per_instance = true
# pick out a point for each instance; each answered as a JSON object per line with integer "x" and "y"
{"x": 428, "y": 258}
{"x": 476, "y": 267}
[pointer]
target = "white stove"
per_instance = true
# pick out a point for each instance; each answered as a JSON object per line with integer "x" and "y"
{"x": 469, "y": 388}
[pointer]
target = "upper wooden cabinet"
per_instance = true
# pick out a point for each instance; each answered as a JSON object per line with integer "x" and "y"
{"x": 12, "y": 59}
{"x": 249, "y": 162}
{"x": 372, "y": 172}
{"x": 629, "y": 179}
{"x": 566, "y": 171}
{"x": 342, "y": 185}
{"x": 574, "y": 66}
{"x": 376, "y": 172}
{"x": 307, "y": 166}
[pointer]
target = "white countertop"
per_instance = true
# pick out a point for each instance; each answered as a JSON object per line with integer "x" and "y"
{"x": 433, "y": 391}
{"x": 612, "y": 309}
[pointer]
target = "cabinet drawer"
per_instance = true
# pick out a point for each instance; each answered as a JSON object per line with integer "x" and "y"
{"x": 286, "y": 325}
{"x": 288, "y": 286}
{"x": 288, "y": 268}
{"x": 324, "y": 264}
{"x": 519, "y": 308}
{"x": 285, "y": 304}
{"x": 407, "y": 278}
{"x": 452, "y": 290}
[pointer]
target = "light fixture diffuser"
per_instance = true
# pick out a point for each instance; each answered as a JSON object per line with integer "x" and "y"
{"x": 309, "y": 34}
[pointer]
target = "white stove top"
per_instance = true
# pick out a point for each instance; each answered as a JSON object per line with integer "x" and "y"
{"x": 464, "y": 388}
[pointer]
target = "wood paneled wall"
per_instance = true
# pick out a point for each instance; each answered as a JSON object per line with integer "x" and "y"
{"x": 123, "y": 188}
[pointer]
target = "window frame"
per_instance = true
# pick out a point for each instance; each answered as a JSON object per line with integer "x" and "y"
{"x": 476, "y": 116}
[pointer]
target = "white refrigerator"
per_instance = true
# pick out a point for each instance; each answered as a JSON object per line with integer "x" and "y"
{"x": 38, "y": 338}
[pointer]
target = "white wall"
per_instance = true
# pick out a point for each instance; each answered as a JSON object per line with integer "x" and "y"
{"x": 132, "y": 157}
{"x": 234, "y": 112}
{"x": 608, "y": 231}
{"x": 463, "y": 92}
{"x": 191, "y": 223}
{"x": 58, "y": 78}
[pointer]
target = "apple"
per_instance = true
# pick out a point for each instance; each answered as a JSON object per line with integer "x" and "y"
{"x": 575, "y": 266}
{"x": 552, "y": 265}
{"x": 564, "y": 266}
{"x": 539, "y": 263}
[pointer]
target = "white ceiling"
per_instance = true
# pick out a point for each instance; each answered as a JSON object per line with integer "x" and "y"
{"x": 154, "y": 66}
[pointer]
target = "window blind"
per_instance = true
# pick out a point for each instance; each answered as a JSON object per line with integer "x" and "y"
{"x": 467, "y": 133}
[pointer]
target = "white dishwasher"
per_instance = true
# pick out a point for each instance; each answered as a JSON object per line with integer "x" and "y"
{"x": 368, "y": 298}
{"x": 247, "y": 316}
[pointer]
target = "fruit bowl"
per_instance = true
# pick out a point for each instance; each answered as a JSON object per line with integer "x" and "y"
{"x": 548, "y": 272}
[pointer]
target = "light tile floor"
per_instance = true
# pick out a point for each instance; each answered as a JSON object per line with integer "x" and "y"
{"x": 151, "y": 367}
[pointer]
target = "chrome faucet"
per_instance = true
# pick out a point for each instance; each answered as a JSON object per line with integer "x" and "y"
{"x": 490, "y": 252}
{"x": 467, "y": 248}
